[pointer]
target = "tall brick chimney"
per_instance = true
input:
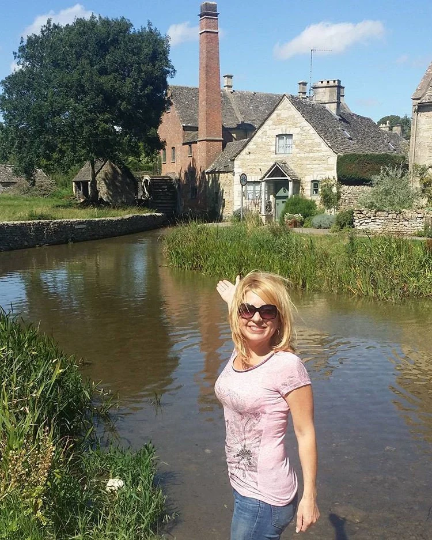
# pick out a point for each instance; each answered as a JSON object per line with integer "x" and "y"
{"x": 210, "y": 106}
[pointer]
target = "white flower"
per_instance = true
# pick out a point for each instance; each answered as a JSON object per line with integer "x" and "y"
{"x": 114, "y": 484}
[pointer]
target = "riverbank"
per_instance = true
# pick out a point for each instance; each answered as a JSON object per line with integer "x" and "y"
{"x": 26, "y": 234}
{"x": 56, "y": 481}
{"x": 382, "y": 267}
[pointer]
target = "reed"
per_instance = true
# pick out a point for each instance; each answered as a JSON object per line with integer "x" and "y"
{"x": 53, "y": 471}
{"x": 382, "y": 267}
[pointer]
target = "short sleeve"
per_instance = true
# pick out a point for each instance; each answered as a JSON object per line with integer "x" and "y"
{"x": 292, "y": 374}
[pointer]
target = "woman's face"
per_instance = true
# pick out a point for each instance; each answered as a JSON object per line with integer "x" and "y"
{"x": 256, "y": 330}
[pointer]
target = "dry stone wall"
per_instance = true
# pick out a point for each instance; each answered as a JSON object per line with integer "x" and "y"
{"x": 407, "y": 222}
{"x": 350, "y": 196}
{"x": 26, "y": 234}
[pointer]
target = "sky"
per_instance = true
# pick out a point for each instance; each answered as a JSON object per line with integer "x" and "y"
{"x": 379, "y": 49}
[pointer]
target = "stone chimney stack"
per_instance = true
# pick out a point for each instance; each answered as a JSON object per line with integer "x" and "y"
{"x": 302, "y": 89}
{"x": 330, "y": 93}
{"x": 397, "y": 129}
{"x": 386, "y": 126}
{"x": 228, "y": 82}
{"x": 210, "y": 106}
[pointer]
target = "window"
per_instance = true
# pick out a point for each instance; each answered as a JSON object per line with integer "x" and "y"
{"x": 284, "y": 144}
{"x": 315, "y": 187}
{"x": 173, "y": 154}
{"x": 189, "y": 150}
{"x": 164, "y": 155}
{"x": 253, "y": 191}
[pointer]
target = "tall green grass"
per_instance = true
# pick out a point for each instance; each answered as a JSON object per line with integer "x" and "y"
{"x": 53, "y": 471}
{"x": 381, "y": 267}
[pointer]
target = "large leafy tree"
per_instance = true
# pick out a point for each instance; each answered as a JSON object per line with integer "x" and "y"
{"x": 94, "y": 89}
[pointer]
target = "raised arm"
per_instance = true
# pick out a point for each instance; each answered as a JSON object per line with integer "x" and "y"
{"x": 226, "y": 289}
{"x": 300, "y": 402}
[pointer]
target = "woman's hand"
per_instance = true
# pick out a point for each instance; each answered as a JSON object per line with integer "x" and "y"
{"x": 226, "y": 289}
{"x": 307, "y": 514}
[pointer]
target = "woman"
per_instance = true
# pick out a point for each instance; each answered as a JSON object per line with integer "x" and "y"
{"x": 261, "y": 384}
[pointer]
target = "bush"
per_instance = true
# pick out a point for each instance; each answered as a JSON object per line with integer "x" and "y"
{"x": 330, "y": 193}
{"x": 323, "y": 221}
{"x": 391, "y": 190}
{"x": 344, "y": 220}
{"x": 298, "y": 205}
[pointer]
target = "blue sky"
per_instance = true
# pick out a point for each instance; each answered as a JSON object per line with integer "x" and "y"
{"x": 379, "y": 49}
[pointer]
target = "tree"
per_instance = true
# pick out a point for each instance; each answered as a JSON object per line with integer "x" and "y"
{"x": 94, "y": 89}
{"x": 394, "y": 120}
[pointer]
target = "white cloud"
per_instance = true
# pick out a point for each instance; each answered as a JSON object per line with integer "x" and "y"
{"x": 63, "y": 17}
{"x": 412, "y": 62}
{"x": 179, "y": 33}
{"x": 14, "y": 67}
{"x": 334, "y": 38}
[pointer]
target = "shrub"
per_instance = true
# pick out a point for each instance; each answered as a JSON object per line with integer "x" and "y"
{"x": 344, "y": 220}
{"x": 330, "y": 193}
{"x": 298, "y": 205}
{"x": 323, "y": 221}
{"x": 391, "y": 190}
{"x": 359, "y": 169}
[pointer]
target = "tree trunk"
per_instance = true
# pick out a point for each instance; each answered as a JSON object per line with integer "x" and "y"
{"x": 93, "y": 192}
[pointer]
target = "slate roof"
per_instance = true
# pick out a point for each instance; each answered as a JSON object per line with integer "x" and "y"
{"x": 423, "y": 93}
{"x": 284, "y": 167}
{"x": 7, "y": 174}
{"x": 239, "y": 108}
{"x": 347, "y": 133}
{"x": 84, "y": 174}
{"x": 225, "y": 160}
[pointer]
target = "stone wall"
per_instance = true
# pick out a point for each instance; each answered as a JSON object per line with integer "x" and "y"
{"x": 407, "y": 222}
{"x": 26, "y": 234}
{"x": 350, "y": 196}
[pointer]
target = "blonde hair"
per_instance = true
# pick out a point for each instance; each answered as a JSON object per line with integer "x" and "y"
{"x": 272, "y": 289}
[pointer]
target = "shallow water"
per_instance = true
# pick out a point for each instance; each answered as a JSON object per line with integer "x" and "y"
{"x": 159, "y": 338}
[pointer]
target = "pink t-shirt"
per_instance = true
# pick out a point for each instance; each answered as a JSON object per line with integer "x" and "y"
{"x": 256, "y": 419}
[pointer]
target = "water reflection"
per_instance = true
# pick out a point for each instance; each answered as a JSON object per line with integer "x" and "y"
{"x": 144, "y": 328}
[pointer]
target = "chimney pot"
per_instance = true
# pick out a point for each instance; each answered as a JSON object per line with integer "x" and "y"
{"x": 228, "y": 82}
{"x": 302, "y": 89}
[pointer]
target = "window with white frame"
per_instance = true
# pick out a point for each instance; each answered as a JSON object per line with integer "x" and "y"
{"x": 284, "y": 143}
{"x": 253, "y": 191}
{"x": 164, "y": 155}
{"x": 315, "y": 188}
{"x": 173, "y": 152}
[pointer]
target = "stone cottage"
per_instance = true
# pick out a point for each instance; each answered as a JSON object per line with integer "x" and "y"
{"x": 421, "y": 125}
{"x": 279, "y": 145}
{"x": 11, "y": 182}
{"x": 116, "y": 186}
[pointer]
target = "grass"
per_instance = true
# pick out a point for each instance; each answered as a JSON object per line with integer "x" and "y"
{"x": 61, "y": 205}
{"x": 53, "y": 469}
{"x": 382, "y": 267}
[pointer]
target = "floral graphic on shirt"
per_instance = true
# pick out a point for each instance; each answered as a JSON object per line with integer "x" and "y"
{"x": 243, "y": 434}
{"x": 242, "y": 443}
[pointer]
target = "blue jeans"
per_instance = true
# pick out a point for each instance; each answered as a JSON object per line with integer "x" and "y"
{"x": 256, "y": 520}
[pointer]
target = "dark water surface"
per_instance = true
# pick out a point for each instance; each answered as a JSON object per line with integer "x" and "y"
{"x": 159, "y": 338}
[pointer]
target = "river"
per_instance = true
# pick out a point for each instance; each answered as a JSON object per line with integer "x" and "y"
{"x": 159, "y": 337}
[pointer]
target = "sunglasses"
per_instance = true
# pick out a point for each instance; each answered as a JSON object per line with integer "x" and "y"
{"x": 266, "y": 312}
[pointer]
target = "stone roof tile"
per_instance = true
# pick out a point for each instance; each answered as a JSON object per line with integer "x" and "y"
{"x": 225, "y": 160}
